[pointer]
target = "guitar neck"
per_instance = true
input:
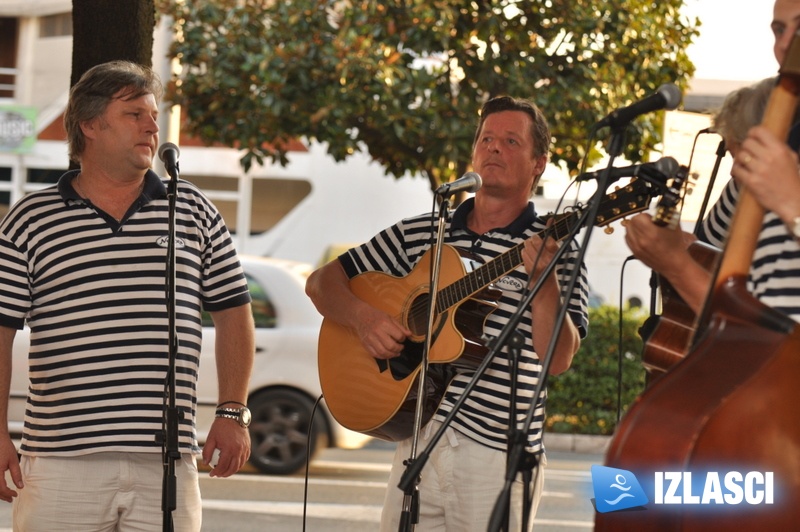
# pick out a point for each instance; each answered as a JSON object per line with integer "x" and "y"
{"x": 633, "y": 197}
{"x": 480, "y": 278}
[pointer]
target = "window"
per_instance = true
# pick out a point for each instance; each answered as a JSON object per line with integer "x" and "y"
{"x": 59, "y": 25}
{"x": 8, "y": 56}
{"x": 263, "y": 309}
{"x": 5, "y": 195}
{"x": 273, "y": 199}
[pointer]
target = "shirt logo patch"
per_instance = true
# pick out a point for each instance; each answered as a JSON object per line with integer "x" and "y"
{"x": 511, "y": 284}
{"x": 164, "y": 242}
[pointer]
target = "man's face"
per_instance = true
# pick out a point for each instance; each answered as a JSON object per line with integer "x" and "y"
{"x": 127, "y": 132}
{"x": 785, "y": 22}
{"x": 503, "y": 153}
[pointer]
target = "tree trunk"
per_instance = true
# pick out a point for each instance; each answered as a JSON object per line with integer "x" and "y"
{"x": 106, "y": 30}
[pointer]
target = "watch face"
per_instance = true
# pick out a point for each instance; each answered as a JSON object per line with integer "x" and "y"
{"x": 245, "y": 416}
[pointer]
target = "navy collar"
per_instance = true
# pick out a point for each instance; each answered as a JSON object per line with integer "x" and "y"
{"x": 153, "y": 186}
{"x": 517, "y": 228}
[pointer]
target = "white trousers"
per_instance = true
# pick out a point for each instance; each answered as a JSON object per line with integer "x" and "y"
{"x": 104, "y": 492}
{"x": 460, "y": 483}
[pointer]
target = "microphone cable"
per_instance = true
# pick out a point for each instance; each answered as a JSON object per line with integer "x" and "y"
{"x": 620, "y": 337}
{"x": 308, "y": 459}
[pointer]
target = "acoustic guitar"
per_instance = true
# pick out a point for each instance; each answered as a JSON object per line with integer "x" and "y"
{"x": 378, "y": 397}
{"x": 672, "y": 336}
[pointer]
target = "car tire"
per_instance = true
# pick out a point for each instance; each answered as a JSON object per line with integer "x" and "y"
{"x": 279, "y": 431}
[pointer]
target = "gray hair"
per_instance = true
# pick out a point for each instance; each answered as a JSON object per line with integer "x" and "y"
{"x": 89, "y": 98}
{"x": 741, "y": 110}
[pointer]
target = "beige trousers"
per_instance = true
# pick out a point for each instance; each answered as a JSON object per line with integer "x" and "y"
{"x": 104, "y": 492}
{"x": 460, "y": 483}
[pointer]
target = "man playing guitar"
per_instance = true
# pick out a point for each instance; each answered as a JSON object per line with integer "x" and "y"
{"x": 465, "y": 473}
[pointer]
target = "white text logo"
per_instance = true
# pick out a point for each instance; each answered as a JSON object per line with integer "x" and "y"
{"x": 733, "y": 487}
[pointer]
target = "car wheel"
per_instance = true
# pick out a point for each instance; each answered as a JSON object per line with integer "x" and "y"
{"x": 279, "y": 431}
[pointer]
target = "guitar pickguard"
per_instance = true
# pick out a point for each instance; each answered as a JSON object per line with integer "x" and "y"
{"x": 410, "y": 358}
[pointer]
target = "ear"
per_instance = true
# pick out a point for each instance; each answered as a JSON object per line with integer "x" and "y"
{"x": 539, "y": 165}
{"x": 89, "y": 128}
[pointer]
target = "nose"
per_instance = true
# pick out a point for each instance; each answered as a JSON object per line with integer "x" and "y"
{"x": 151, "y": 124}
{"x": 782, "y": 45}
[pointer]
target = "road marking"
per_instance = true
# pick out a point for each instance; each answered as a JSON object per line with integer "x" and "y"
{"x": 349, "y": 483}
{"x": 360, "y": 466}
{"x": 562, "y": 523}
{"x": 299, "y": 480}
{"x": 348, "y": 512}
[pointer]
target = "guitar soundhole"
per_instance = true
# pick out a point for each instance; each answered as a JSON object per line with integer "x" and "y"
{"x": 411, "y": 357}
{"x": 417, "y": 318}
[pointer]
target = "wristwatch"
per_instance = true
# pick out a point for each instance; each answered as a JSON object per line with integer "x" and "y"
{"x": 240, "y": 415}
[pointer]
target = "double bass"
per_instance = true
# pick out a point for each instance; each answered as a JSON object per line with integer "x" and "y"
{"x": 729, "y": 405}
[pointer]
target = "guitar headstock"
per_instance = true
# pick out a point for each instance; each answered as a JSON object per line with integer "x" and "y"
{"x": 672, "y": 197}
{"x": 623, "y": 201}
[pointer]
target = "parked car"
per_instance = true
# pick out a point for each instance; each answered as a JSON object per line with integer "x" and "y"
{"x": 284, "y": 385}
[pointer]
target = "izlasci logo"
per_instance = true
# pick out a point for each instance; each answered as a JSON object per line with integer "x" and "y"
{"x": 616, "y": 489}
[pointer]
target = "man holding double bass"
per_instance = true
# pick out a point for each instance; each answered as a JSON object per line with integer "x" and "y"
{"x": 768, "y": 168}
{"x": 726, "y": 409}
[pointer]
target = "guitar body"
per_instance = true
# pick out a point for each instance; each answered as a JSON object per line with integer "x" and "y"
{"x": 672, "y": 336}
{"x": 379, "y": 397}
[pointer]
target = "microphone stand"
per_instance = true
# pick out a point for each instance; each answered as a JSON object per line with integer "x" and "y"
{"x": 721, "y": 151}
{"x": 409, "y": 515}
{"x": 168, "y": 436}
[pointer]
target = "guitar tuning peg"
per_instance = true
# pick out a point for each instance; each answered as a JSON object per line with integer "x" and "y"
{"x": 610, "y": 230}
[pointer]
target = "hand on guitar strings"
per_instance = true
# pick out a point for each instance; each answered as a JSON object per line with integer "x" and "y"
{"x": 381, "y": 335}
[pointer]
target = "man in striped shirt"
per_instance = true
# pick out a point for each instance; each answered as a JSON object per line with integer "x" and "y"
{"x": 465, "y": 473}
{"x": 768, "y": 168}
{"x": 84, "y": 263}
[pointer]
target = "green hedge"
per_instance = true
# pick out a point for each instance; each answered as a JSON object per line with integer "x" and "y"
{"x": 583, "y": 400}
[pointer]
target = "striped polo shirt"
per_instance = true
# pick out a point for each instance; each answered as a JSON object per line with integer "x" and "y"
{"x": 774, "y": 276}
{"x": 484, "y": 415}
{"x": 93, "y": 292}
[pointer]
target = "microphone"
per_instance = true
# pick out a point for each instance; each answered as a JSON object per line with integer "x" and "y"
{"x": 469, "y": 182}
{"x": 661, "y": 169}
{"x": 168, "y": 153}
{"x": 668, "y": 96}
